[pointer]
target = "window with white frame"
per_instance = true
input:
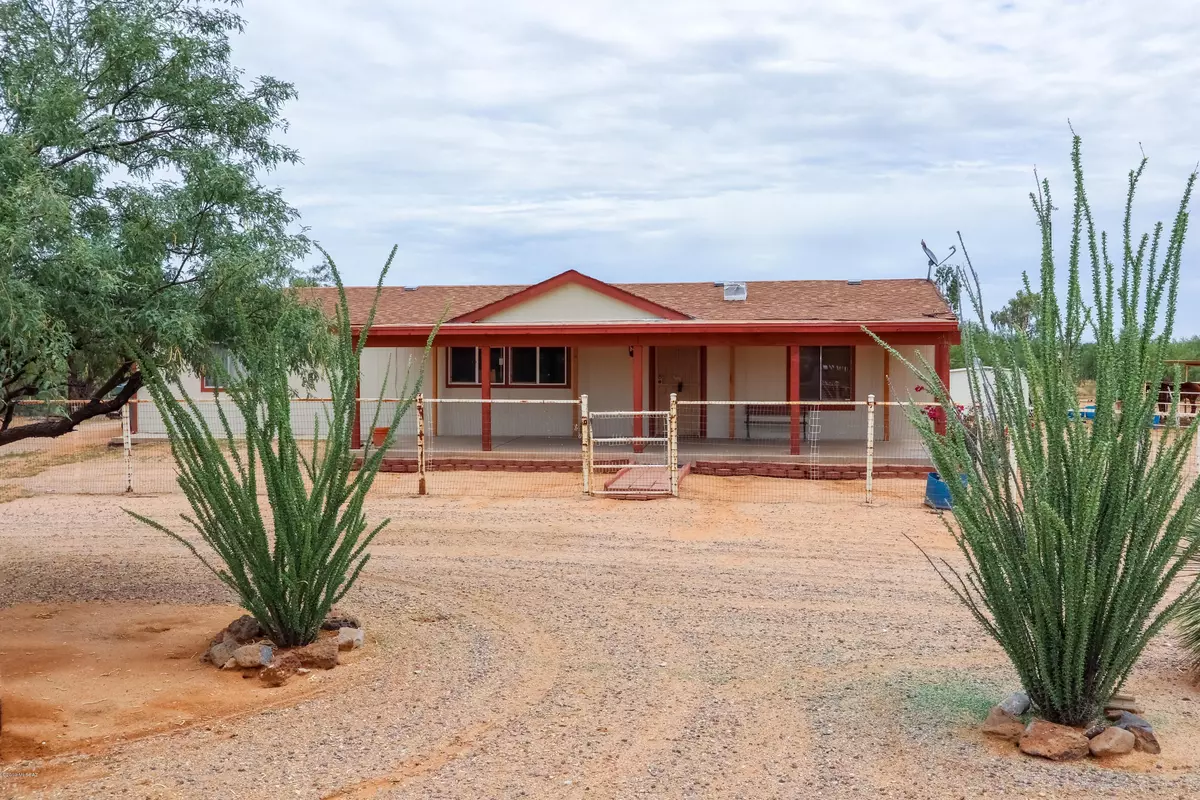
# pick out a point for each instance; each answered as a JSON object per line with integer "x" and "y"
{"x": 463, "y": 369}
{"x": 826, "y": 373}
{"x": 510, "y": 366}
{"x": 210, "y": 379}
{"x": 541, "y": 366}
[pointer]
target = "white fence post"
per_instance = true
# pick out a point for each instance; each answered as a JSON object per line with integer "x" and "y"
{"x": 127, "y": 443}
{"x": 585, "y": 433}
{"x": 673, "y": 444}
{"x": 870, "y": 442}
{"x": 420, "y": 443}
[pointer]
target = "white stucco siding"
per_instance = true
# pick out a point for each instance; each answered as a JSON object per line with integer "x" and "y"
{"x": 571, "y": 303}
{"x": 718, "y": 389}
{"x": 761, "y": 374}
{"x": 304, "y": 412}
{"x": 904, "y": 384}
{"x": 391, "y": 372}
{"x": 508, "y": 419}
{"x": 605, "y": 376}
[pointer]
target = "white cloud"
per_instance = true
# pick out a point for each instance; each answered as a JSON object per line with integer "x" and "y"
{"x": 693, "y": 139}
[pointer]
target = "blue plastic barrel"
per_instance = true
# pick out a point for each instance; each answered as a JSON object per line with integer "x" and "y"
{"x": 937, "y": 493}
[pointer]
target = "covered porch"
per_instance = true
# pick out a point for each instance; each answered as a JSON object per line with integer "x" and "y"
{"x": 767, "y": 394}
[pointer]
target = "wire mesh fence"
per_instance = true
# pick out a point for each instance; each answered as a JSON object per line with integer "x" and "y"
{"x": 758, "y": 451}
{"x": 743, "y": 451}
{"x": 501, "y": 448}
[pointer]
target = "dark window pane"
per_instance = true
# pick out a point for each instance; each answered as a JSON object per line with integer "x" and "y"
{"x": 524, "y": 364}
{"x": 837, "y": 373}
{"x": 810, "y": 373}
{"x": 462, "y": 365}
{"x": 497, "y": 359}
{"x": 552, "y": 366}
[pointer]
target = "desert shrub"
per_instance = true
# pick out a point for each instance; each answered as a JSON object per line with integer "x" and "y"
{"x": 1189, "y": 621}
{"x": 1072, "y": 531}
{"x": 289, "y": 574}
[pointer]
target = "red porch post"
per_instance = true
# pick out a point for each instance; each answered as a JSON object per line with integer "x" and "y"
{"x": 356, "y": 434}
{"x": 793, "y": 396}
{"x": 485, "y": 393}
{"x": 941, "y": 364}
{"x": 637, "y": 397}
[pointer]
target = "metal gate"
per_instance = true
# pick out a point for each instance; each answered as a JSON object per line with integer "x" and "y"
{"x": 627, "y": 465}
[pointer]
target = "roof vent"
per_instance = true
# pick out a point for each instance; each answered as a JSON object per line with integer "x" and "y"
{"x": 410, "y": 288}
{"x": 855, "y": 282}
{"x": 734, "y": 290}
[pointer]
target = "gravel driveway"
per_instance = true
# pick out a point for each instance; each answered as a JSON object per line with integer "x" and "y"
{"x": 583, "y": 648}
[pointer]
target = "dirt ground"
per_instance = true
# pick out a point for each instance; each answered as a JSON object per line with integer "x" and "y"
{"x": 78, "y": 676}
{"x": 585, "y": 648}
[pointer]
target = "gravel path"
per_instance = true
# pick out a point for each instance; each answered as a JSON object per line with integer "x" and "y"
{"x": 580, "y": 648}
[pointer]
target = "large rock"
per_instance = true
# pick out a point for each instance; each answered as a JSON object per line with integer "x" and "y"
{"x": 1112, "y": 742}
{"x": 1055, "y": 742}
{"x": 278, "y": 672}
{"x": 249, "y": 656}
{"x": 1146, "y": 741}
{"x": 1132, "y": 722}
{"x": 1016, "y": 704}
{"x": 221, "y": 651}
{"x": 336, "y": 620}
{"x": 1123, "y": 705}
{"x": 350, "y": 638}
{"x": 1003, "y": 725}
{"x": 244, "y": 629}
{"x": 321, "y": 654}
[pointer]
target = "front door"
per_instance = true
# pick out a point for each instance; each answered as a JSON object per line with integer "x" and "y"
{"x": 677, "y": 369}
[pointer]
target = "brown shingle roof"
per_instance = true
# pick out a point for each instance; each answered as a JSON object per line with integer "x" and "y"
{"x": 891, "y": 300}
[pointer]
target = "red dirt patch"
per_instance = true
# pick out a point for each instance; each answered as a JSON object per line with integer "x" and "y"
{"x": 78, "y": 677}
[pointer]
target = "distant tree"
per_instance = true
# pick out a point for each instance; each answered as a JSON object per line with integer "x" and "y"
{"x": 132, "y": 222}
{"x": 1019, "y": 314}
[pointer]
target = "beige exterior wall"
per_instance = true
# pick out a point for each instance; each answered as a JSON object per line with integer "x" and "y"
{"x": 718, "y": 389}
{"x": 305, "y": 414}
{"x": 571, "y": 303}
{"x": 604, "y": 375}
{"x": 760, "y": 374}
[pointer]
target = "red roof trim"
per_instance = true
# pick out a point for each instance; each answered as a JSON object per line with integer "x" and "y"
{"x": 571, "y": 276}
{"x": 477, "y": 329}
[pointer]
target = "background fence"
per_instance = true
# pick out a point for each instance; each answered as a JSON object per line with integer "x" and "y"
{"x": 847, "y": 452}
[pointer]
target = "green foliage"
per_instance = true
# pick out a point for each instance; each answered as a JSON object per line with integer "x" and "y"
{"x": 1189, "y": 621}
{"x": 290, "y": 573}
{"x": 953, "y": 699}
{"x": 132, "y": 220}
{"x": 1073, "y": 532}
{"x": 1019, "y": 314}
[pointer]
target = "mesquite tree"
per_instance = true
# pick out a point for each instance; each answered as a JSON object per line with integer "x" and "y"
{"x": 1073, "y": 531}
{"x": 290, "y": 573}
{"x": 134, "y": 221}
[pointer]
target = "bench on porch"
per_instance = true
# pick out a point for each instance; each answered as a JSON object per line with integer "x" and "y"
{"x": 771, "y": 415}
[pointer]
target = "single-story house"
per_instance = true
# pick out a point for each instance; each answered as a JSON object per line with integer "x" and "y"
{"x": 629, "y": 346}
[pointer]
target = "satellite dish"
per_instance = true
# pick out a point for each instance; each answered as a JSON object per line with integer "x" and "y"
{"x": 933, "y": 260}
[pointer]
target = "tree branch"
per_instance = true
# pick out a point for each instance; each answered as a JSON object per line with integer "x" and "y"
{"x": 97, "y": 148}
{"x": 93, "y": 408}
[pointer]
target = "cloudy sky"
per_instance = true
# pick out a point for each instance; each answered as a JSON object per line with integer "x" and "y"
{"x": 502, "y": 142}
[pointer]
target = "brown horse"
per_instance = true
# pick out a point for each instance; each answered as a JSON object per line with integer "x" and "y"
{"x": 1189, "y": 396}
